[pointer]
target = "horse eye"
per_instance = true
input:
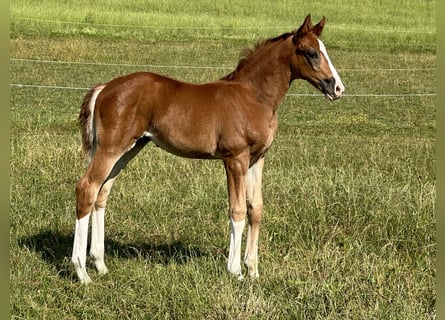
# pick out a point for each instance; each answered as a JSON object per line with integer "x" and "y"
{"x": 313, "y": 57}
{"x": 311, "y": 54}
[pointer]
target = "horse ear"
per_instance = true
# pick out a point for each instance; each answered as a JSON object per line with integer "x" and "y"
{"x": 318, "y": 28}
{"x": 304, "y": 28}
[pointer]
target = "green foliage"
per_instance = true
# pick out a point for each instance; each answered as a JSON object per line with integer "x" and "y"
{"x": 349, "y": 186}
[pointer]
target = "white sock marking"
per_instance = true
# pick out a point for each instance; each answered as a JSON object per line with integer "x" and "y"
{"x": 236, "y": 234}
{"x": 79, "y": 256}
{"x": 97, "y": 249}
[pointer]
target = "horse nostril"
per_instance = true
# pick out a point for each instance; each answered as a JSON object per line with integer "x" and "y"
{"x": 339, "y": 89}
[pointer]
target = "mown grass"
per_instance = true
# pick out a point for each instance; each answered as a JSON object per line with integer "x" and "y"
{"x": 399, "y": 25}
{"x": 349, "y": 186}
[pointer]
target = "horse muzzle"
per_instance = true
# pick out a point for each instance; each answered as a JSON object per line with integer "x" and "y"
{"x": 331, "y": 89}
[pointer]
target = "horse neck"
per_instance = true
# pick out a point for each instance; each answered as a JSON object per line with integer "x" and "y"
{"x": 269, "y": 73}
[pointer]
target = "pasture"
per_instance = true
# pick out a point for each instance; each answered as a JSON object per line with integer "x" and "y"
{"x": 349, "y": 186}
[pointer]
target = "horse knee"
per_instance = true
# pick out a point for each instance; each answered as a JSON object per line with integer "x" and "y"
{"x": 255, "y": 213}
{"x": 238, "y": 214}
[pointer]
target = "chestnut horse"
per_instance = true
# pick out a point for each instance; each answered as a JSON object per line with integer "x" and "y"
{"x": 233, "y": 119}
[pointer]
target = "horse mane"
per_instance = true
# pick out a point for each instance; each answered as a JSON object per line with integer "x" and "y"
{"x": 248, "y": 55}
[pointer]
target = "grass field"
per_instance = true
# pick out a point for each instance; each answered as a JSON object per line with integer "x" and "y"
{"x": 349, "y": 186}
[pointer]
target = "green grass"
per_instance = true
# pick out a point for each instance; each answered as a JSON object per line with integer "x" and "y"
{"x": 349, "y": 186}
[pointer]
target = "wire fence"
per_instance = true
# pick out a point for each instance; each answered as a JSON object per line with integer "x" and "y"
{"x": 21, "y": 85}
{"x": 191, "y": 67}
{"x": 101, "y": 64}
{"x": 382, "y": 30}
{"x": 35, "y": 86}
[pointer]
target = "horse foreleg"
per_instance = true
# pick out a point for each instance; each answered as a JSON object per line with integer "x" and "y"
{"x": 236, "y": 170}
{"x": 234, "y": 261}
{"x": 255, "y": 212}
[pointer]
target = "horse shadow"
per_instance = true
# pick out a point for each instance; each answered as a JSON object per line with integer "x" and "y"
{"x": 55, "y": 248}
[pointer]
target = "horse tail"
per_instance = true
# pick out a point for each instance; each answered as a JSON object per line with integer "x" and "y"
{"x": 86, "y": 121}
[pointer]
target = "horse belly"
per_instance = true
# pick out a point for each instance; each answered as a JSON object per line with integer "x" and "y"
{"x": 186, "y": 147}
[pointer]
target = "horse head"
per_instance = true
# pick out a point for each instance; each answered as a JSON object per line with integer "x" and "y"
{"x": 310, "y": 60}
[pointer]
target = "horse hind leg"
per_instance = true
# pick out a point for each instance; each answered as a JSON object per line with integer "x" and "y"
{"x": 78, "y": 258}
{"x": 87, "y": 191}
{"x": 92, "y": 191}
{"x": 97, "y": 248}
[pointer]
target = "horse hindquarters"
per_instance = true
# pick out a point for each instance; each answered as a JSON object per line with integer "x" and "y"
{"x": 116, "y": 147}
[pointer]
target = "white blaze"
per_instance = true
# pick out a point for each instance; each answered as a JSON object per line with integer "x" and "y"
{"x": 338, "y": 83}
